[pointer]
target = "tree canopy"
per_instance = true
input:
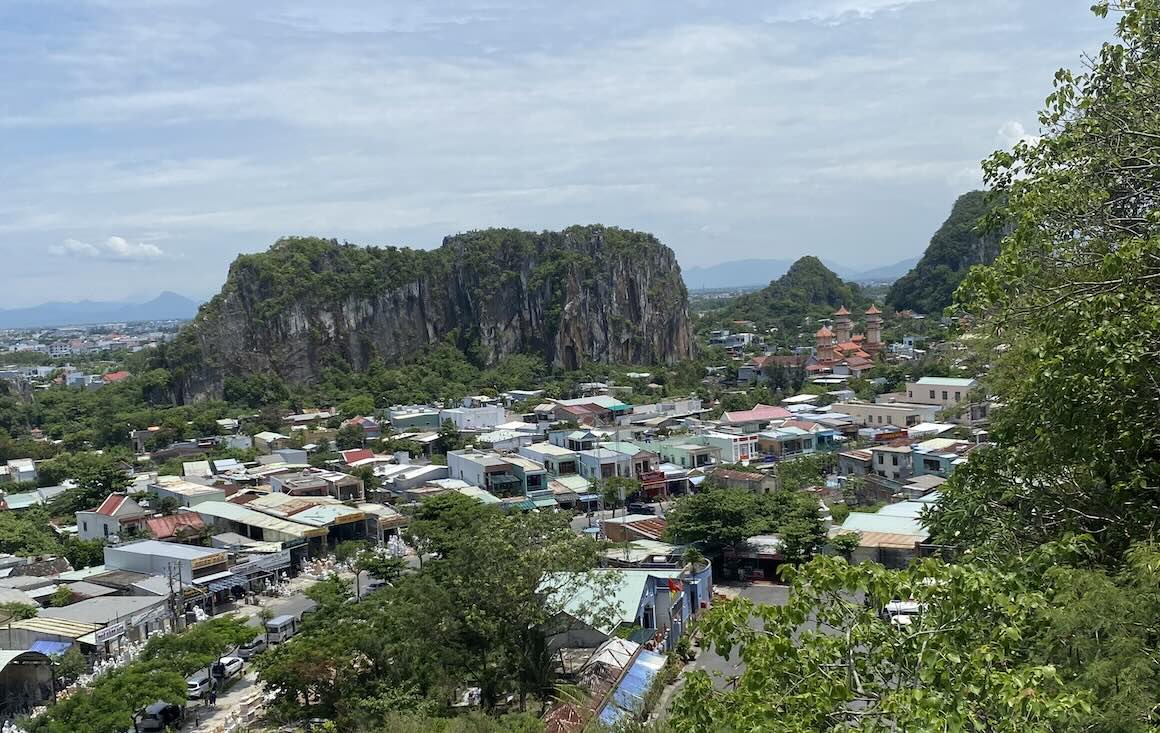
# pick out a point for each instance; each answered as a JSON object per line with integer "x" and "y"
{"x": 1070, "y": 317}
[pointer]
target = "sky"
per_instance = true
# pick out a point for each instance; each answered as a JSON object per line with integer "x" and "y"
{"x": 145, "y": 143}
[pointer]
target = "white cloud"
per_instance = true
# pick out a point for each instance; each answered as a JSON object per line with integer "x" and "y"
{"x": 113, "y": 248}
{"x": 1013, "y": 132}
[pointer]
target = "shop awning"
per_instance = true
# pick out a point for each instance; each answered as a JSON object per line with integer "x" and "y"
{"x": 588, "y": 497}
{"x": 219, "y": 581}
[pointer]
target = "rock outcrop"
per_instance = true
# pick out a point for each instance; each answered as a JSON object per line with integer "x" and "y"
{"x": 586, "y": 294}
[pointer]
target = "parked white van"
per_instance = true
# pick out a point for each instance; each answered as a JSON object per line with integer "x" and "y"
{"x": 281, "y": 628}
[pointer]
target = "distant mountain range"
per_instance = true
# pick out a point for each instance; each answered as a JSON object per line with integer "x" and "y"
{"x": 758, "y": 272}
{"x": 166, "y": 306}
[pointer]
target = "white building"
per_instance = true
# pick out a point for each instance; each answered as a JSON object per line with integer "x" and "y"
{"x": 116, "y": 514}
{"x": 475, "y": 418}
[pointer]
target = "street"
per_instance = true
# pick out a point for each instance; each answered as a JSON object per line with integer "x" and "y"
{"x": 723, "y": 670}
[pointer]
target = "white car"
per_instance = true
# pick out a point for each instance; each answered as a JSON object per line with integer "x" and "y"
{"x": 252, "y": 648}
{"x": 196, "y": 685}
{"x": 227, "y": 667}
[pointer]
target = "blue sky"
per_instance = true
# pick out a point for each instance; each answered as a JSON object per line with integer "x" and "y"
{"x": 145, "y": 143}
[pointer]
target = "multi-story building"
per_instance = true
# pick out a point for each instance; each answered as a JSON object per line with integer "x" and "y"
{"x": 949, "y": 392}
{"x": 556, "y": 460}
{"x": 898, "y": 414}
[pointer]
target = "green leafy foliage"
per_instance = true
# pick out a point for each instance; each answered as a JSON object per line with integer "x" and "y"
{"x": 960, "y": 665}
{"x": 110, "y": 703}
{"x": 721, "y": 518}
{"x": 958, "y": 245}
{"x": 807, "y": 289}
{"x": 1073, "y": 299}
{"x": 483, "y": 622}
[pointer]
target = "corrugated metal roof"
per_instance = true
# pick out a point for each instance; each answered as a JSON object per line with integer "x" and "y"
{"x": 243, "y": 515}
{"x": 55, "y": 626}
{"x": 884, "y": 523}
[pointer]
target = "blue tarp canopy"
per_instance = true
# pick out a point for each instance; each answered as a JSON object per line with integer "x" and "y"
{"x": 628, "y": 698}
{"x": 50, "y": 648}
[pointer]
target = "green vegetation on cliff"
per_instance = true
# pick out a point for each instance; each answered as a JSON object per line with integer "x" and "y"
{"x": 953, "y": 250}
{"x": 807, "y": 289}
{"x": 584, "y": 294}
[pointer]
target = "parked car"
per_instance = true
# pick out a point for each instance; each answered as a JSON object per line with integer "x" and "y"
{"x": 227, "y": 667}
{"x": 639, "y": 507}
{"x": 252, "y": 648}
{"x": 197, "y": 684}
{"x": 160, "y": 716}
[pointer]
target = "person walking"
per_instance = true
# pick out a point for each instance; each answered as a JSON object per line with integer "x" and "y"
{"x": 213, "y": 696}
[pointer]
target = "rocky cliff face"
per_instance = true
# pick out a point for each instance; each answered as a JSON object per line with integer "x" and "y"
{"x": 587, "y": 294}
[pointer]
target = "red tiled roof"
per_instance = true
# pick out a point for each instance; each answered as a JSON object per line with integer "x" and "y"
{"x": 111, "y": 504}
{"x": 872, "y": 310}
{"x": 175, "y": 524}
{"x": 823, "y": 332}
{"x": 357, "y": 454}
{"x": 800, "y": 425}
{"x": 759, "y": 412}
{"x": 842, "y": 312}
{"x": 116, "y": 376}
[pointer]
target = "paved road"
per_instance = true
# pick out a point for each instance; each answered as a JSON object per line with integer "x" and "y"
{"x": 723, "y": 670}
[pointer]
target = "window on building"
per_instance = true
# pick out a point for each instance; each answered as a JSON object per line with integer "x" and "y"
{"x": 958, "y": 396}
{"x": 944, "y": 394}
{"x": 882, "y": 474}
{"x": 909, "y": 393}
{"x": 894, "y": 460}
{"x": 106, "y": 528}
{"x": 879, "y": 419}
{"x": 932, "y": 394}
{"x": 881, "y": 459}
{"x": 85, "y": 525}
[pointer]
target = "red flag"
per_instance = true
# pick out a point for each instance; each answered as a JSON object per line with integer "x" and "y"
{"x": 675, "y": 586}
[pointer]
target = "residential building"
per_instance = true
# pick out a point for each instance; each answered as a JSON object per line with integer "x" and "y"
{"x": 947, "y": 393}
{"x": 756, "y": 419}
{"x": 940, "y": 456}
{"x": 505, "y": 440}
{"x": 683, "y": 451}
{"x": 533, "y": 476}
{"x": 22, "y": 469}
{"x": 413, "y": 418}
{"x": 734, "y": 447}
{"x": 117, "y": 516}
{"x": 481, "y": 418}
{"x": 892, "y": 461}
{"x": 269, "y": 441}
{"x": 369, "y": 426}
{"x": 601, "y": 463}
{"x": 855, "y": 463}
{"x": 485, "y": 470}
{"x": 185, "y": 493}
{"x": 898, "y": 414}
{"x": 557, "y": 461}
{"x": 786, "y": 441}
{"x": 318, "y": 482}
{"x": 658, "y": 603}
{"x": 758, "y": 483}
